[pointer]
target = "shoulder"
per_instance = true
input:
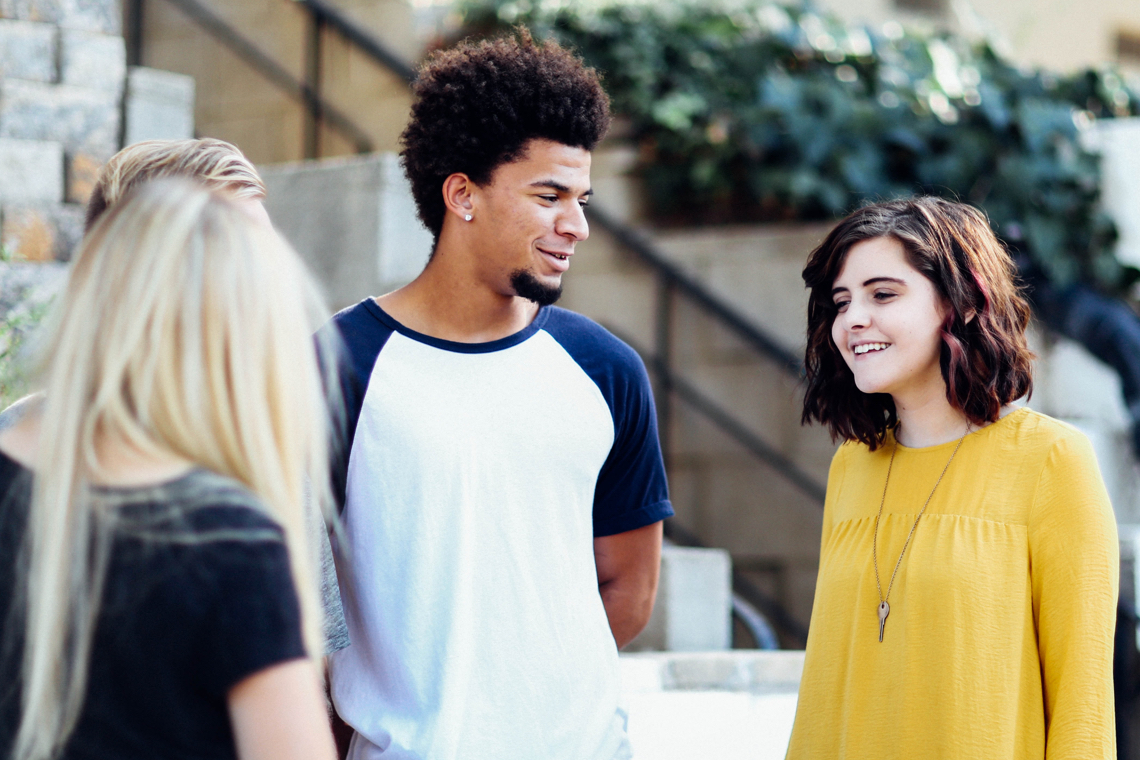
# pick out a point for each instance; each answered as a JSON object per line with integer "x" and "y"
{"x": 1036, "y": 435}
{"x": 201, "y": 508}
{"x": 592, "y": 346}
{"x": 357, "y": 327}
{"x": 851, "y": 454}
{"x": 1061, "y": 460}
{"x": 20, "y": 408}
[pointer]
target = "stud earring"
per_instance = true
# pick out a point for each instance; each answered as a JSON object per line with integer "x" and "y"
{"x": 467, "y": 217}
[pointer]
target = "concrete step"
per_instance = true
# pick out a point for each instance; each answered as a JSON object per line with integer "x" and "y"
{"x": 725, "y": 705}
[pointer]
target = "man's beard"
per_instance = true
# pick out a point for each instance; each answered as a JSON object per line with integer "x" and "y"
{"x": 527, "y": 286}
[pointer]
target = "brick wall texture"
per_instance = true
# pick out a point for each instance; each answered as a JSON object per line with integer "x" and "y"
{"x": 62, "y": 74}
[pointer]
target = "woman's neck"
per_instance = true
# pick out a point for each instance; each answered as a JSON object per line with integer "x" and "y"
{"x": 120, "y": 463}
{"x": 929, "y": 422}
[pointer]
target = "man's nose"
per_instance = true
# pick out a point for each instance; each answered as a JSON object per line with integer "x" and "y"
{"x": 573, "y": 224}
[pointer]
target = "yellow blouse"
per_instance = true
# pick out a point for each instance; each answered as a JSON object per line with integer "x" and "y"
{"x": 999, "y": 640}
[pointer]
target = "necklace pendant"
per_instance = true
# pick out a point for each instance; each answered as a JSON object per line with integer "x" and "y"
{"x": 884, "y": 610}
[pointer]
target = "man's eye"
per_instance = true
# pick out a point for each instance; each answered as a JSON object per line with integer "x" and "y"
{"x": 549, "y": 198}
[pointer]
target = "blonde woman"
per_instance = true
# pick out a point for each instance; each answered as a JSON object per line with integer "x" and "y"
{"x": 221, "y": 167}
{"x": 155, "y": 568}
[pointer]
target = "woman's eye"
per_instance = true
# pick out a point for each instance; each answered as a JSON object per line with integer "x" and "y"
{"x": 884, "y": 296}
{"x": 841, "y": 306}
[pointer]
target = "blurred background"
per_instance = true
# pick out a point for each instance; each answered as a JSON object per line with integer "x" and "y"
{"x": 744, "y": 129}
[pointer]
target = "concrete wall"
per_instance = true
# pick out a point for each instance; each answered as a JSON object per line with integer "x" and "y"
{"x": 352, "y": 220}
{"x": 237, "y": 104}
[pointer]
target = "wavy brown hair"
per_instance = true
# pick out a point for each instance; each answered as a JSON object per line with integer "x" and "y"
{"x": 985, "y": 360}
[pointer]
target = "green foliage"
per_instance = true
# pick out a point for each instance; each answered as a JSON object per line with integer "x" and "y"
{"x": 14, "y": 331}
{"x": 18, "y": 320}
{"x": 759, "y": 111}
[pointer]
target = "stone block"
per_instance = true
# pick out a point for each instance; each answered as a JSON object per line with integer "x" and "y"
{"x": 693, "y": 611}
{"x": 42, "y": 232}
{"x": 103, "y": 16}
{"x": 83, "y": 120}
{"x": 82, "y": 172}
{"x": 93, "y": 60}
{"x": 31, "y": 171}
{"x": 27, "y": 50}
{"x": 159, "y": 105}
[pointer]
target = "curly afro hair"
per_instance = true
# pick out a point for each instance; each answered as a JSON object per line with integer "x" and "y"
{"x": 478, "y": 104}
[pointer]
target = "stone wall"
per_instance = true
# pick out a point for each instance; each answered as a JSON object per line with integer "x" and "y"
{"x": 62, "y": 68}
{"x": 63, "y": 77}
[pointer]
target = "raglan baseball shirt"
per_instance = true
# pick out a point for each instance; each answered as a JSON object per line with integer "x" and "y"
{"x": 477, "y": 477}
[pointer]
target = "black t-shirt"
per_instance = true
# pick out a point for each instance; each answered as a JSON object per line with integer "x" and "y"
{"x": 198, "y": 596}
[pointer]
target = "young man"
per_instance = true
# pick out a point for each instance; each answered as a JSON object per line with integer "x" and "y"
{"x": 504, "y": 482}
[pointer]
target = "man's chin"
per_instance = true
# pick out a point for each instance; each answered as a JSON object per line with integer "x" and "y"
{"x": 543, "y": 292}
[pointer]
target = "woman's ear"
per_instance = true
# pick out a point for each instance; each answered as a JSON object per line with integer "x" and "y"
{"x": 970, "y": 316}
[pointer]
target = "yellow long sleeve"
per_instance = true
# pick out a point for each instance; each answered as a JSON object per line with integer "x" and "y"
{"x": 999, "y": 640}
{"x": 1074, "y": 563}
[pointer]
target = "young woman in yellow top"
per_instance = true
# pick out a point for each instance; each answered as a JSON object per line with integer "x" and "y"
{"x": 966, "y": 598}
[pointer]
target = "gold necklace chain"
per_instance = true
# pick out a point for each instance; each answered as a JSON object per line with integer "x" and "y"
{"x": 884, "y": 608}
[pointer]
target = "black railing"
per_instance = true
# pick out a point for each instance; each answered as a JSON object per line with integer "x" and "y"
{"x": 323, "y": 16}
{"x": 668, "y": 379}
{"x": 318, "y": 110}
{"x": 674, "y": 279}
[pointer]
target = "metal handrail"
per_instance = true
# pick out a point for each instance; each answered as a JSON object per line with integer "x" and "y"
{"x": 267, "y": 66}
{"x": 723, "y": 419}
{"x": 645, "y": 250}
{"x": 336, "y": 20}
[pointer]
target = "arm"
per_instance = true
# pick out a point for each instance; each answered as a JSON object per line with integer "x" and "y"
{"x": 279, "y": 714}
{"x": 1074, "y": 566}
{"x": 628, "y": 565}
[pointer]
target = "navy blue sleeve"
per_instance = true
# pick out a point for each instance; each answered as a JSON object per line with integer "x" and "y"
{"x": 632, "y": 490}
{"x": 358, "y": 335}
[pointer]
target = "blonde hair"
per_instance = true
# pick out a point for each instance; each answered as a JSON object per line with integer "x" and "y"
{"x": 186, "y": 327}
{"x": 216, "y": 164}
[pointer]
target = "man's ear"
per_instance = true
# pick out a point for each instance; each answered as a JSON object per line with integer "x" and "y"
{"x": 459, "y": 195}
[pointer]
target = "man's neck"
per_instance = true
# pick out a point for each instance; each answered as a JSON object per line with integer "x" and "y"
{"x": 450, "y": 304}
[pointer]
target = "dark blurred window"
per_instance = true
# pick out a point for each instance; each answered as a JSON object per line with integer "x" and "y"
{"x": 1128, "y": 46}
{"x": 931, "y": 7}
